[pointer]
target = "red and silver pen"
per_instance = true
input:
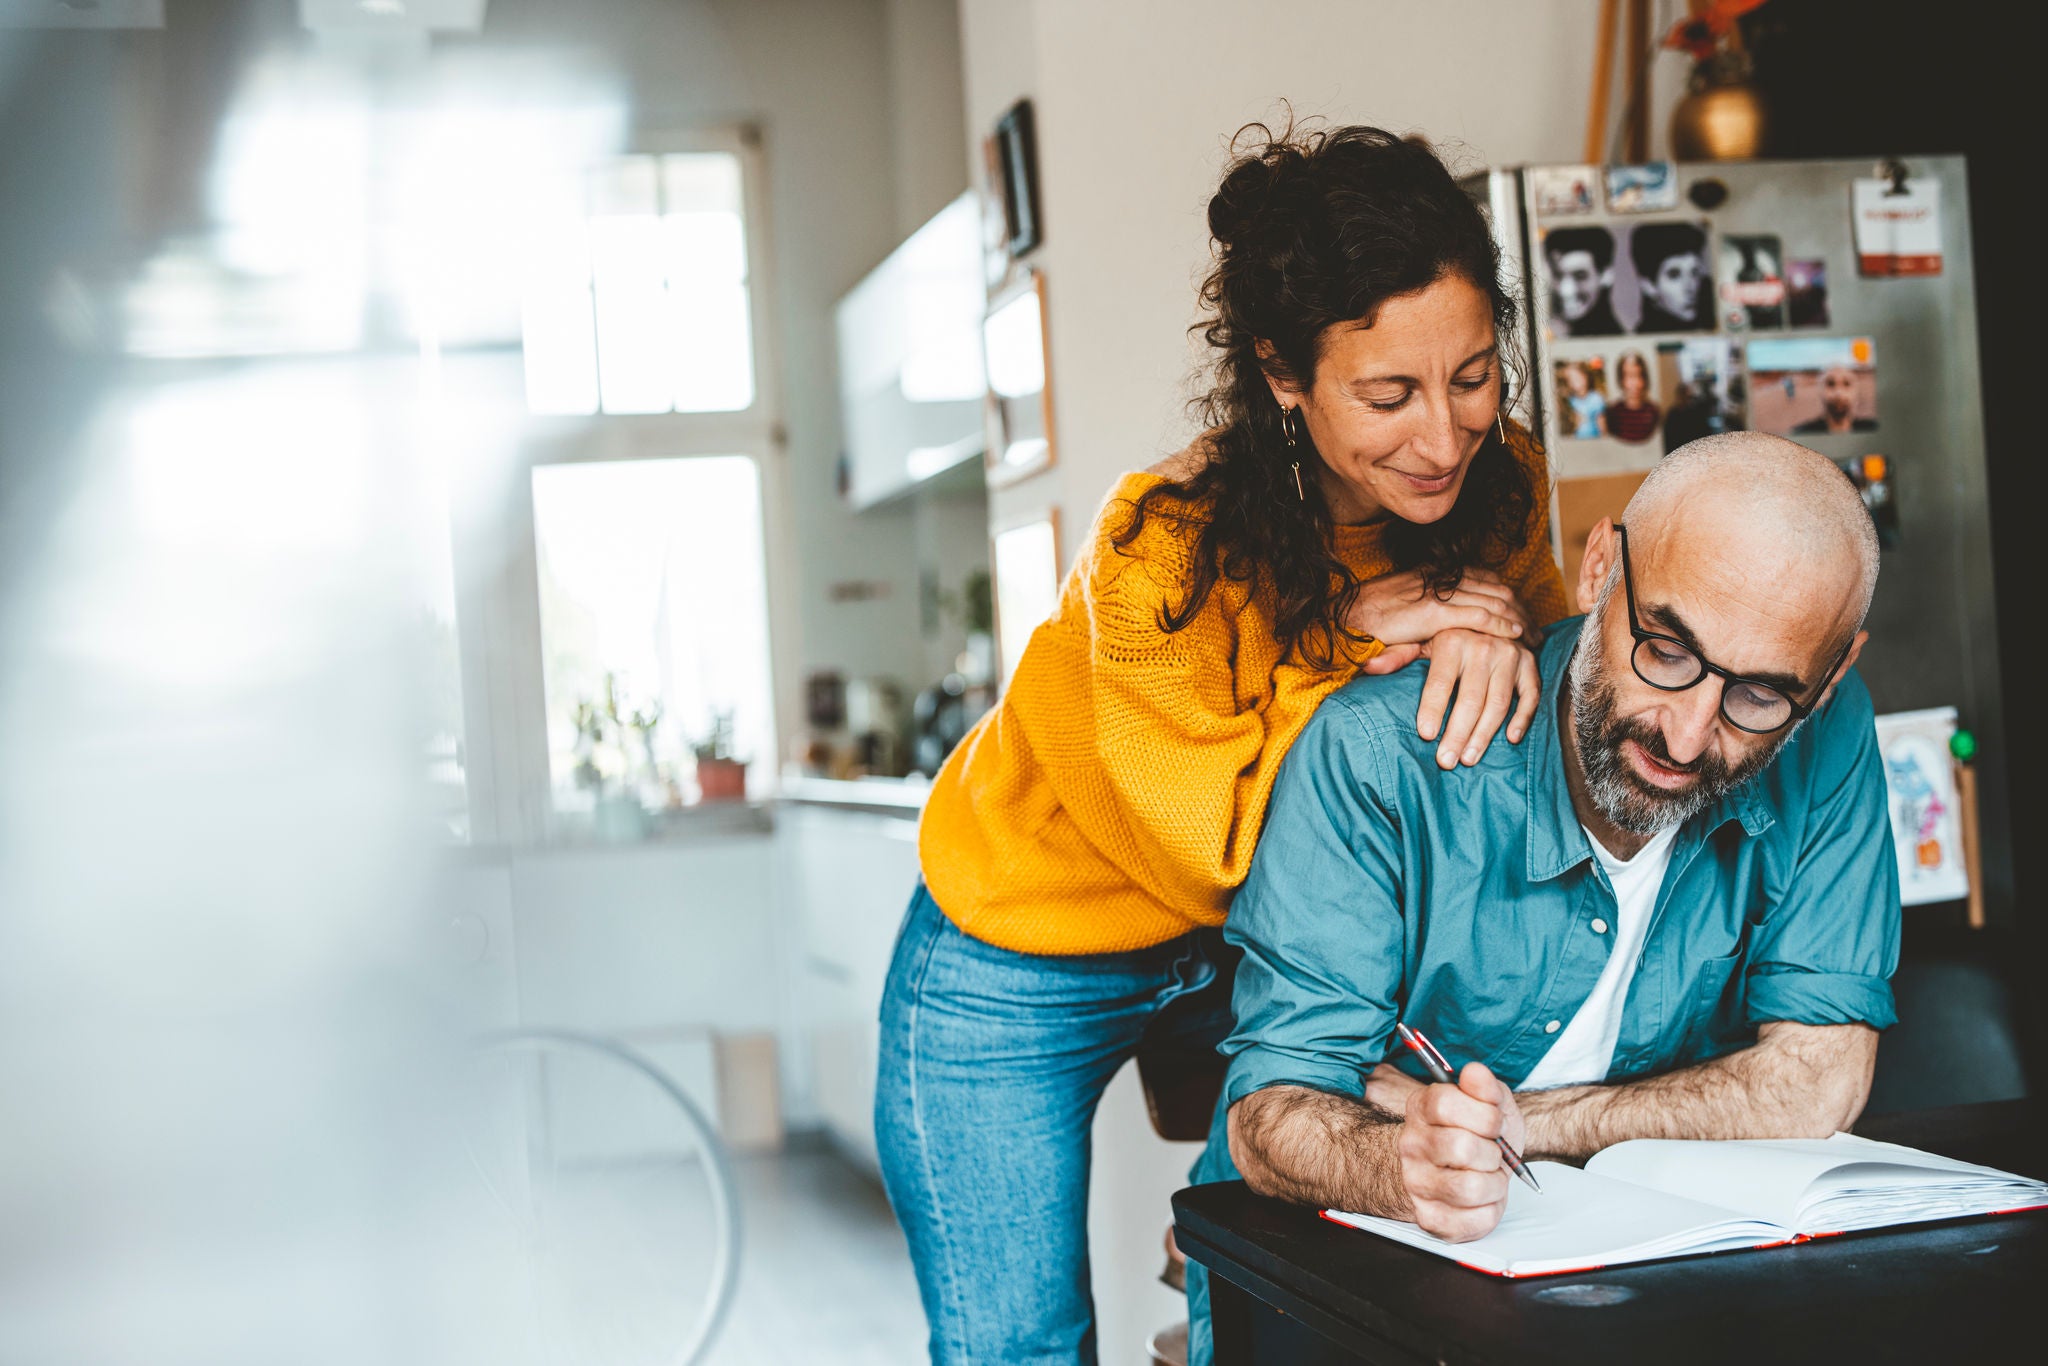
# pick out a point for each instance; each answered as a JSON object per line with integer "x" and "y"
{"x": 1439, "y": 1070}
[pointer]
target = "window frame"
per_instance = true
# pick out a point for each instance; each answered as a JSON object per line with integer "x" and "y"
{"x": 498, "y": 615}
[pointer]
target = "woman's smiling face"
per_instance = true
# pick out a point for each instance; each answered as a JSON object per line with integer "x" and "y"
{"x": 1398, "y": 409}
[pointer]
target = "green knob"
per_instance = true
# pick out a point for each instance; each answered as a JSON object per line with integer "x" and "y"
{"x": 1963, "y": 745}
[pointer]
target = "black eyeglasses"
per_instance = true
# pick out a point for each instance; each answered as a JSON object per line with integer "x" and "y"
{"x": 1670, "y": 665}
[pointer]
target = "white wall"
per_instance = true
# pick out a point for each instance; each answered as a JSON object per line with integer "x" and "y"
{"x": 926, "y": 99}
{"x": 1135, "y": 102}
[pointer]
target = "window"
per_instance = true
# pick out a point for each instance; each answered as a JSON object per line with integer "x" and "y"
{"x": 641, "y": 305}
{"x": 654, "y": 628}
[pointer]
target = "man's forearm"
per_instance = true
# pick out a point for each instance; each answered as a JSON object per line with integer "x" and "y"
{"x": 1798, "y": 1081}
{"x": 1319, "y": 1149}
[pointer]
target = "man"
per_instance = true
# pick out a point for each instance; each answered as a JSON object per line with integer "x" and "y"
{"x": 1837, "y": 406}
{"x": 1671, "y": 269}
{"x": 1581, "y": 262}
{"x": 1671, "y": 912}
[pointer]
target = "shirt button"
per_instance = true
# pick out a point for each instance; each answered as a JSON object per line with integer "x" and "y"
{"x": 1553, "y": 1027}
{"x": 1599, "y": 927}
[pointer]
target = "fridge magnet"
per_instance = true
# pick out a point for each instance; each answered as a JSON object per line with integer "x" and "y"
{"x": 1806, "y": 292}
{"x": 1582, "y": 398}
{"x": 1920, "y": 785}
{"x": 1562, "y": 191}
{"x": 1633, "y": 414}
{"x": 1813, "y": 386}
{"x": 1898, "y": 225}
{"x": 1663, "y": 281}
{"x": 1650, "y": 188}
{"x": 1753, "y": 281}
{"x": 1705, "y": 390}
{"x": 1580, "y": 265}
{"x": 1872, "y": 476}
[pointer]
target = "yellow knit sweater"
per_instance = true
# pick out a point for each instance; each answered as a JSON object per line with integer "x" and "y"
{"x": 1112, "y": 799}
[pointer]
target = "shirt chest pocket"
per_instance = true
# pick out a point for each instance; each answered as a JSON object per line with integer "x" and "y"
{"x": 1712, "y": 1020}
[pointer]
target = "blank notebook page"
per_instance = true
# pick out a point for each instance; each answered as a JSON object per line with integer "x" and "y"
{"x": 1582, "y": 1220}
{"x": 1818, "y": 1185}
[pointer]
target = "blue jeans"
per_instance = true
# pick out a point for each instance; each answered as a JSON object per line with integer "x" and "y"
{"x": 992, "y": 1063}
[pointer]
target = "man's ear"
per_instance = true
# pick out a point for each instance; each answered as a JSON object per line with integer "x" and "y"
{"x": 1848, "y": 663}
{"x": 1602, "y": 545}
{"x": 1285, "y": 394}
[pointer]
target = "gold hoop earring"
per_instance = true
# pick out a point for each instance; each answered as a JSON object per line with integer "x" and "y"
{"x": 1500, "y": 426}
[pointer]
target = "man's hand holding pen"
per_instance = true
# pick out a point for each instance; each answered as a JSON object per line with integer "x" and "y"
{"x": 1451, "y": 1164}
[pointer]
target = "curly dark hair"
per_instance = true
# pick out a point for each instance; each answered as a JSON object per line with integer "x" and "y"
{"x": 1313, "y": 230}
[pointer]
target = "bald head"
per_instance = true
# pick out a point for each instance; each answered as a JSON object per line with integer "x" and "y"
{"x": 1767, "y": 507}
{"x": 1750, "y": 563}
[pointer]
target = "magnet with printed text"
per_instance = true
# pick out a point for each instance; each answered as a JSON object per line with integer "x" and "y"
{"x": 1753, "y": 281}
{"x": 1898, "y": 226}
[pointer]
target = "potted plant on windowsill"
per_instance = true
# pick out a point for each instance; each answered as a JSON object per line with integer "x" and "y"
{"x": 720, "y": 776}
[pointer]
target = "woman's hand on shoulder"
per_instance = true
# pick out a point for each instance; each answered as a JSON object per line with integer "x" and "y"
{"x": 1495, "y": 680}
{"x": 1399, "y": 609}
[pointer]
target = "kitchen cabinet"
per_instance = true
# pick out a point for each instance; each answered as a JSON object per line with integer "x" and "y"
{"x": 850, "y": 875}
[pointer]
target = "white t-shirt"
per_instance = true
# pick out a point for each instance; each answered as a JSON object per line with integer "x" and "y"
{"x": 1585, "y": 1049}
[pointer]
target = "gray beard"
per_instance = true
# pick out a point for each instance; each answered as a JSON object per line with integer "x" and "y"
{"x": 1620, "y": 796}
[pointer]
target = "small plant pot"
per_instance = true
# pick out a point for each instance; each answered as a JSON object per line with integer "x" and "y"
{"x": 722, "y": 780}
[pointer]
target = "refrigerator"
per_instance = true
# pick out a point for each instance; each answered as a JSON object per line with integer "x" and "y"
{"x": 1829, "y": 301}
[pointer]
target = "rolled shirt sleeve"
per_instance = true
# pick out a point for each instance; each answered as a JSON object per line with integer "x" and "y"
{"x": 1320, "y": 919}
{"x": 1825, "y": 949}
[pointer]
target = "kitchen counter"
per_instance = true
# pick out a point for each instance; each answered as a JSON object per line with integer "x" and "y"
{"x": 894, "y": 796}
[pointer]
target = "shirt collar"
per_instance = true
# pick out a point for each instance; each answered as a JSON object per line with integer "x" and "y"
{"x": 1557, "y": 842}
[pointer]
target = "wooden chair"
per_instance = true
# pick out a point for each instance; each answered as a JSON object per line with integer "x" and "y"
{"x": 1181, "y": 1086}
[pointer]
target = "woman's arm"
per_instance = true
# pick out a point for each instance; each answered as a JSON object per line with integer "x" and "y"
{"x": 1188, "y": 726}
{"x": 1478, "y": 680}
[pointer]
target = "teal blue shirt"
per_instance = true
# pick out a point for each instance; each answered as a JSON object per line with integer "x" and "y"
{"x": 1463, "y": 902}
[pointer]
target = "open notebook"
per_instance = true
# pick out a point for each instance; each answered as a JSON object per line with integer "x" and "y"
{"x": 1652, "y": 1198}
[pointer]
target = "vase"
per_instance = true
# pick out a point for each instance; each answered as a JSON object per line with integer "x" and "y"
{"x": 1721, "y": 118}
{"x": 721, "y": 780}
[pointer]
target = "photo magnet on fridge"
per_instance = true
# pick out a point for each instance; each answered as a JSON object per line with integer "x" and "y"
{"x": 1633, "y": 414}
{"x": 1664, "y": 281}
{"x": 1753, "y": 281}
{"x": 1813, "y": 386}
{"x": 1582, "y": 398}
{"x": 1578, "y": 263}
{"x": 1614, "y": 397}
{"x": 1704, "y": 389}
{"x": 1806, "y": 292}
{"x": 1649, "y": 188}
{"x": 1562, "y": 191}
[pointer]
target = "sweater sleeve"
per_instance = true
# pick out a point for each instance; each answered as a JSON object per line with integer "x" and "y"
{"x": 1532, "y": 569}
{"x": 1190, "y": 725}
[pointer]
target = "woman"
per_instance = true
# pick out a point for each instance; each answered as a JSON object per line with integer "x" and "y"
{"x": 1632, "y": 417}
{"x": 1358, "y": 501}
